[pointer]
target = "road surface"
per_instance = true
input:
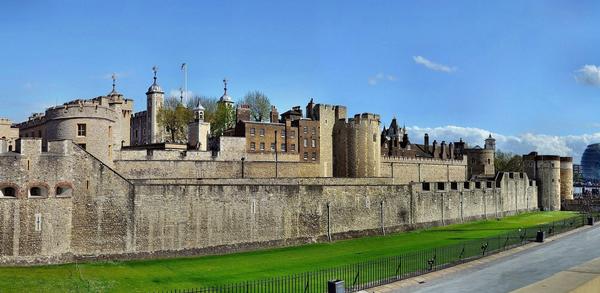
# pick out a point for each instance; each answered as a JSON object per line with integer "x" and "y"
{"x": 520, "y": 269}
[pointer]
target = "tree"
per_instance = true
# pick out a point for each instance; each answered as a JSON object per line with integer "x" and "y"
{"x": 260, "y": 105}
{"x": 224, "y": 118}
{"x": 508, "y": 162}
{"x": 174, "y": 118}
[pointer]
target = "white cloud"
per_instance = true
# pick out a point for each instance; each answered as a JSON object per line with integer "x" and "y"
{"x": 432, "y": 65}
{"x": 569, "y": 145}
{"x": 588, "y": 75}
{"x": 379, "y": 77}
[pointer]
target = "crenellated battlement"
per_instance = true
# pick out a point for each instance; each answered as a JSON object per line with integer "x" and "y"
{"x": 32, "y": 146}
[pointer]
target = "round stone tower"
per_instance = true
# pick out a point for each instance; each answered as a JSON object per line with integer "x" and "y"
{"x": 548, "y": 180}
{"x": 357, "y": 150}
{"x": 566, "y": 178}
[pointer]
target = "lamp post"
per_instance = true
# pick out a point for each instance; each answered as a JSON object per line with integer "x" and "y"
{"x": 243, "y": 159}
{"x": 276, "y": 175}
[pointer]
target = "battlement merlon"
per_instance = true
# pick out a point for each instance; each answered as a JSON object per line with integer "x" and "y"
{"x": 339, "y": 111}
{"x": 32, "y": 146}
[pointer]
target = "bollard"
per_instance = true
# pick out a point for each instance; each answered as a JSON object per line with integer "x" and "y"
{"x": 590, "y": 221}
{"x": 335, "y": 286}
{"x": 540, "y": 236}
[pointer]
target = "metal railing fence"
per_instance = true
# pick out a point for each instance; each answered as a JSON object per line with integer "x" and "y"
{"x": 385, "y": 270}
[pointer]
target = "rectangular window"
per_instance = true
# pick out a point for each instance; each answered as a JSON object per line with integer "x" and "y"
{"x": 252, "y": 146}
{"x": 453, "y": 185}
{"x": 478, "y": 184}
{"x": 441, "y": 186}
{"x": 314, "y": 131}
{"x": 314, "y": 156}
{"x": 252, "y": 131}
{"x": 314, "y": 143}
{"x": 293, "y": 133}
{"x": 109, "y": 131}
{"x": 283, "y": 147}
{"x": 262, "y": 132}
{"x": 272, "y": 146}
{"x": 305, "y": 156}
{"x": 466, "y": 185}
{"x": 293, "y": 147}
{"x": 283, "y": 133}
{"x": 305, "y": 129}
{"x": 262, "y": 146}
{"x": 305, "y": 142}
{"x": 82, "y": 145}
{"x": 81, "y": 129}
{"x": 426, "y": 186}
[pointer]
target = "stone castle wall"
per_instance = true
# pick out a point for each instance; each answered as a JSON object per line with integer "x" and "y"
{"x": 93, "y": 218}
{"x": 406, "y": 170}
{"x": 108, "y": 216}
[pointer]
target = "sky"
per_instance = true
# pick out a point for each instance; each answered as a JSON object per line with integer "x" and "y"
{"x": 525, "y": 71}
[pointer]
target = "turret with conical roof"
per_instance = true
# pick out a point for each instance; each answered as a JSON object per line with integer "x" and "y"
{"x": 226, "y": 99}
{"x": 490, "y": 143}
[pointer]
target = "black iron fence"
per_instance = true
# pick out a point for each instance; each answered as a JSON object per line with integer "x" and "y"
{"x": 381, "y": 271}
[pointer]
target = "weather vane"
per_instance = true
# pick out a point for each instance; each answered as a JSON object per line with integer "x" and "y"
{"x": 155, "y": 70}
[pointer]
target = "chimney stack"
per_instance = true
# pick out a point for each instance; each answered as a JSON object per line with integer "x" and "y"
{"x": 274, "y": 115}
{"x": 426, "y": 142}
{"x": 444, "y": 154}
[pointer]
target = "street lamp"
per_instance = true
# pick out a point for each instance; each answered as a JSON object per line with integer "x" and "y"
{"x": 243, "y": 159}
{"x": 276, "y": 171}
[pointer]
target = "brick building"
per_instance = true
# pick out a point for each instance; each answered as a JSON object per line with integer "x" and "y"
{"x": 290, "y": 134}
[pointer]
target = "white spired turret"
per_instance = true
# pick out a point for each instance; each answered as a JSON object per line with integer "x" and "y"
{"x": 155, "y": 100}
{"x": 198, "y": 130}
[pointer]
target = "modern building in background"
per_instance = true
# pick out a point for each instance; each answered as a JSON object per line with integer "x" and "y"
{"x": 590, "y": 162}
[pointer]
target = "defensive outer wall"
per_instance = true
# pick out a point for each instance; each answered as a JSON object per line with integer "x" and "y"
{"x": 104, "y": 215}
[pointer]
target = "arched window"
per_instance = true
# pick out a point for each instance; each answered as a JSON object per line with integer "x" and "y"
{"x": 8, "y": 191}
{"x": 38, "y": 191}
{"x": 64, "y": 190}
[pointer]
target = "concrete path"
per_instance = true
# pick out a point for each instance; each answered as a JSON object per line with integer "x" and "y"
{"x": 507, "y": 273}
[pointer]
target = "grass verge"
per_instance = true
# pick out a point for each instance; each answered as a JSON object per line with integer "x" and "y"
{"x": 153, "y": 275}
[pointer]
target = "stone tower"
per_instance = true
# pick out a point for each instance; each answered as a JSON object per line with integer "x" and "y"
{"x": 328, "y": 116}
{"x": 546, "y": 170}
{"x": 490, "y": 143}
{"x": 155, "y": 100}
{"x": 566, "y": 178}
{"x": 198, "y": 130}
{"x": 356, "y": 147}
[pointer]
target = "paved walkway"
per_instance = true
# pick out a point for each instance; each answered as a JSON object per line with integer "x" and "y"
{"x": 511, "y": 270}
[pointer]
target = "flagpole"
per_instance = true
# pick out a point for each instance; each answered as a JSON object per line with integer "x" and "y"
{"x": 184, "y": 68}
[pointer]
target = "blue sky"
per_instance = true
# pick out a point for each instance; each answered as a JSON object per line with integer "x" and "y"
{"x": 516, "y": 69}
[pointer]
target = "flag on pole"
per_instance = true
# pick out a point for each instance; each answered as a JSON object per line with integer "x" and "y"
{"x": 183, "y": 65}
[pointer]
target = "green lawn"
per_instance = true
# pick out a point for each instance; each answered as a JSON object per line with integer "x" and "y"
{"x": 154, "y": 275}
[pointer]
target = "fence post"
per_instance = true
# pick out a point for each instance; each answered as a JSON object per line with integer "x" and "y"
{"x": 328, "y": 222}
